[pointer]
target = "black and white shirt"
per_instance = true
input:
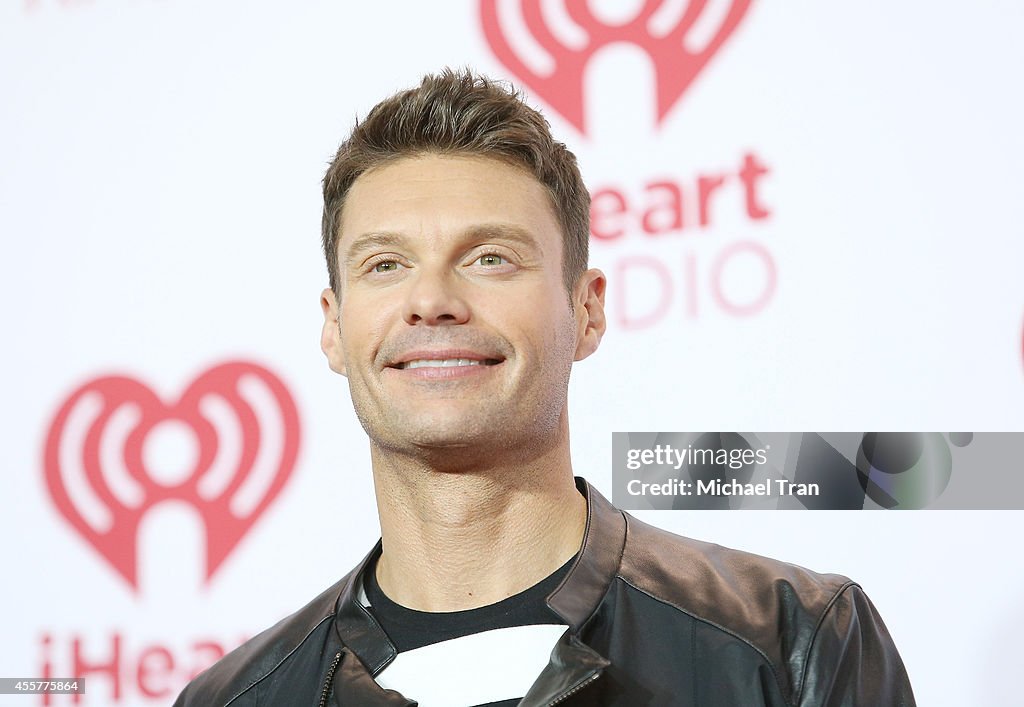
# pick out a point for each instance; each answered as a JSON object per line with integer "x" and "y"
{"x": 485, "y": 657}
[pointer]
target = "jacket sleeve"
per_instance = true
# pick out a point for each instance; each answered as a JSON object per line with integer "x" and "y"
{"x": 852, "y": 661}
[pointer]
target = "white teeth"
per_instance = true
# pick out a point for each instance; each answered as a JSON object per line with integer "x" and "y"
{"x": 442, "y": 363}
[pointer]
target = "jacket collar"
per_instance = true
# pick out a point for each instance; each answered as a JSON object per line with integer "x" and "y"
{"x": 604, "y": 538}
{"x": 575, "y": 600}
{"x": 356, "y": 628}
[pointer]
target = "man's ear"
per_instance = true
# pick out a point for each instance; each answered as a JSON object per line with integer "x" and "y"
{"x": 330, "y": 336}
{"x": 588, "y": 298}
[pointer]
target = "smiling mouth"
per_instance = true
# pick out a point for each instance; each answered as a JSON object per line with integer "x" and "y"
{"x": 446, "y": 363}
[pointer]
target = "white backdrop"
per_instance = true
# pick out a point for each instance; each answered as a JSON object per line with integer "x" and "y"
{"x": 160, "y": 207}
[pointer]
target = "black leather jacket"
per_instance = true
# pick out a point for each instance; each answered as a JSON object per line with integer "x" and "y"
{"x": 654, "y": 619}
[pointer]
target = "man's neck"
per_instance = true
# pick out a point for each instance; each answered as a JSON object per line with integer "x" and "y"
{"x": 456, "y": 540}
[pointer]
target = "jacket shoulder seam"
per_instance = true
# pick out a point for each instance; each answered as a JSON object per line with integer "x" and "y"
{"x": 286, "y": 656}
{"x": 817, "y": 630}
{"x": 767, "y": 660}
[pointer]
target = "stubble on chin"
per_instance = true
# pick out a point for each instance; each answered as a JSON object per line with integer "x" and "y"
{"x": 473, "y": 438}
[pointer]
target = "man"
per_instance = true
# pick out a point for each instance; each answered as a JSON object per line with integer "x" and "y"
{"x": 456, "y": 232}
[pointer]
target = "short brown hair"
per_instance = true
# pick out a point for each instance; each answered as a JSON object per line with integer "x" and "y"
{"x": 462, "y": 113}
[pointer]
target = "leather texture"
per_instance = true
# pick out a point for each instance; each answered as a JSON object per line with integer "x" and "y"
{"x": 653, "y": 619}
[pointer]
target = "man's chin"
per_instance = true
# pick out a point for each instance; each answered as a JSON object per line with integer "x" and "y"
{"x": 432, "y": 432}
{"x": 470, "y": 439}
{"x": 464, "y": 437}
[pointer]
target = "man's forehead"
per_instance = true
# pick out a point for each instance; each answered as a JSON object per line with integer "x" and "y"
{"x": 429, "y": 174}
{"x": 447, "y": 195}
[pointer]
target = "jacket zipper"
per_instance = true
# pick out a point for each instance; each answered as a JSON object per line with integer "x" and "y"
{"x": 573, "y": 690}
{"x": 330, "y": 677}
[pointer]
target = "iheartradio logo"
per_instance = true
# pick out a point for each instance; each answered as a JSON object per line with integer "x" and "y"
{"x": 226, "y": 447}
{"x": 547, "y": 45}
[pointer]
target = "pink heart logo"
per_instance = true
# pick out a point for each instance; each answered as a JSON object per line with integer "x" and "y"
{"x": 679, "y": 50}
{"x": 227, "y": 447}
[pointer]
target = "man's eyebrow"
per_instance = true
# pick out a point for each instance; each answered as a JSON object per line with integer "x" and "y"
{"x": 370, "y": 241}
{"x": 503, "y": 231}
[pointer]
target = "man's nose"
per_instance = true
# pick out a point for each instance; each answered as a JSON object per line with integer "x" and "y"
{"x": 436, "y": 297}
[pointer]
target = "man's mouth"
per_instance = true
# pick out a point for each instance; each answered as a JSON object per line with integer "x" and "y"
{"x": 446, "y": 363}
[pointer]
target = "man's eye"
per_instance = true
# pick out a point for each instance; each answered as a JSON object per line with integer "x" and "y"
{"x": 491, "y": 259}
{"x": 386, "y": 266}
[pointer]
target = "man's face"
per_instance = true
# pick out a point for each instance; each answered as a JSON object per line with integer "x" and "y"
{"x": 454, "y": 327}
